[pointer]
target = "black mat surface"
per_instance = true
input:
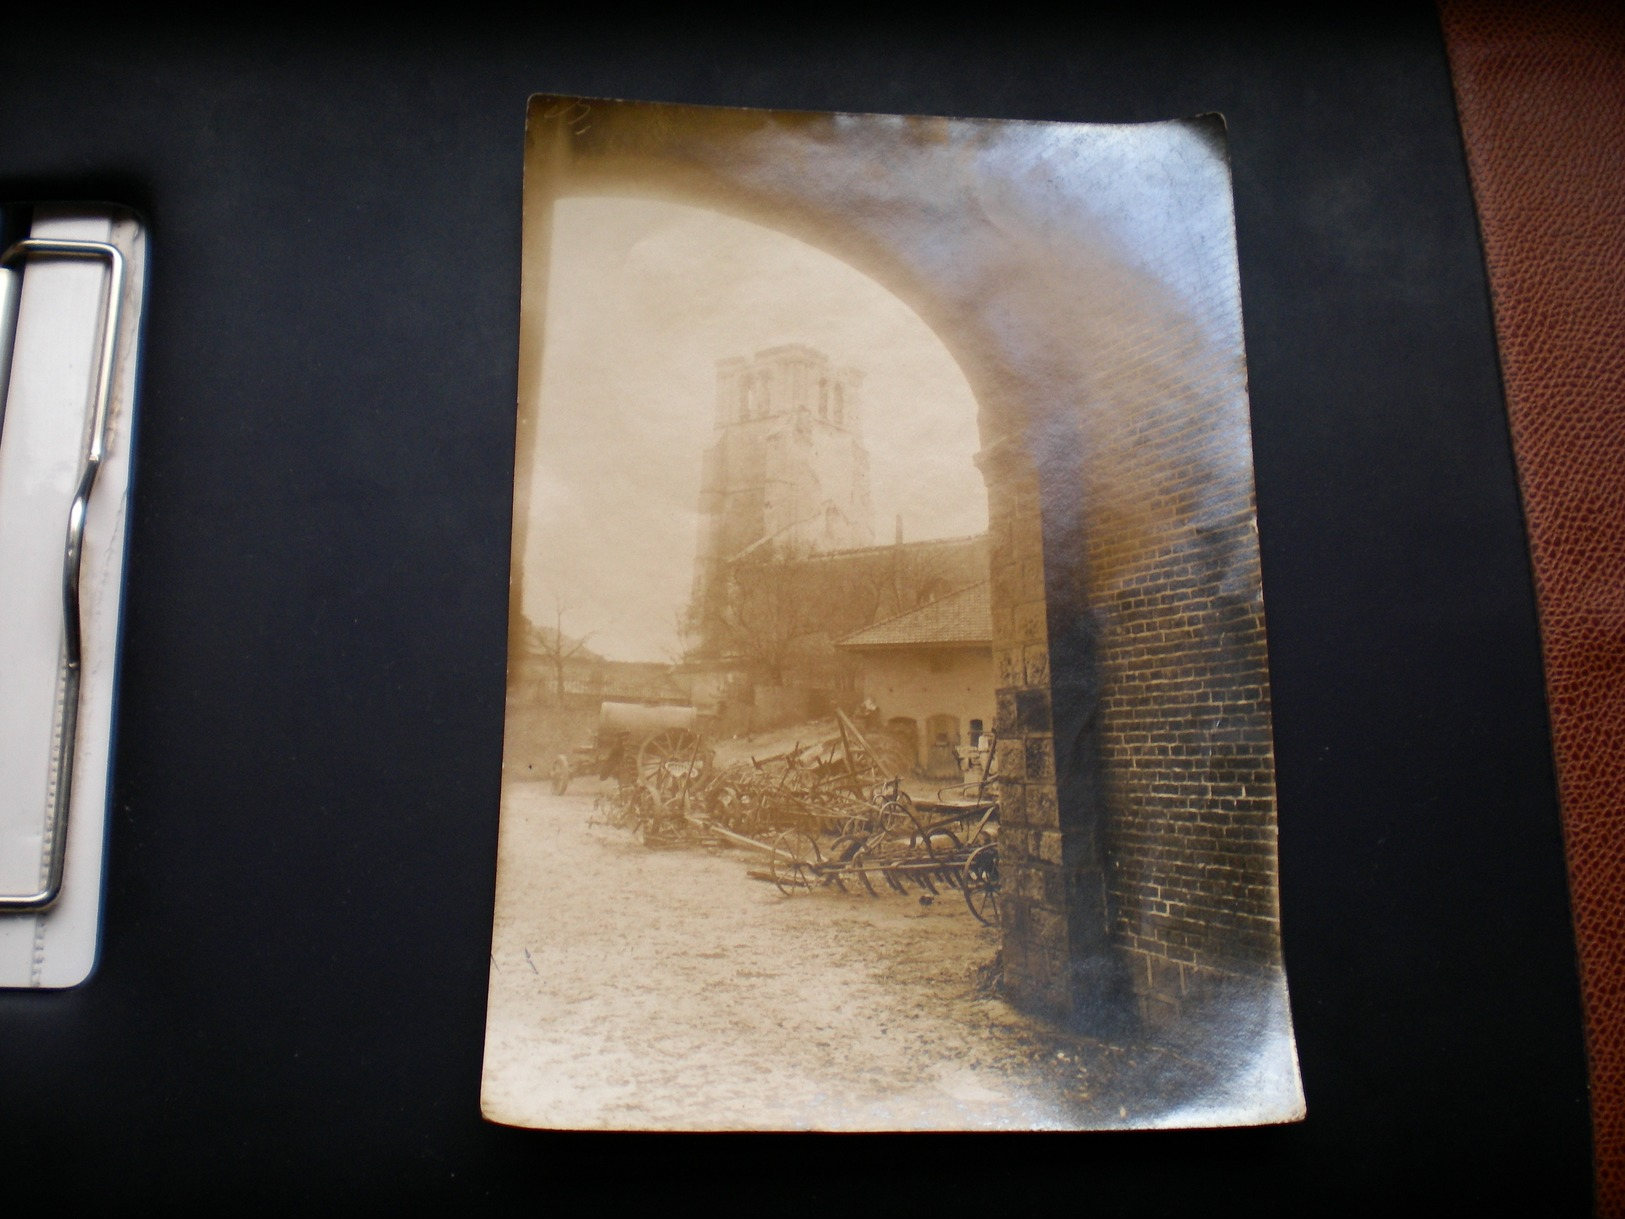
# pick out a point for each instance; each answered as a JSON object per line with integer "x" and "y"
{"x": 290, "y": 1005}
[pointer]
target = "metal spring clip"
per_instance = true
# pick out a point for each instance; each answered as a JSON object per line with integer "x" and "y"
{"x": 102, "y": 392}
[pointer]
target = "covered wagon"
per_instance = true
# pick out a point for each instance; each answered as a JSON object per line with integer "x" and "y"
{"x": 638, "y": 744}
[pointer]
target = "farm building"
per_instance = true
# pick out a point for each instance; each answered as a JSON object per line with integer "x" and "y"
{"x": 929, "y": 673}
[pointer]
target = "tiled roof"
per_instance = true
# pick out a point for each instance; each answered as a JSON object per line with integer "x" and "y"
{"x": 961, "y": 618}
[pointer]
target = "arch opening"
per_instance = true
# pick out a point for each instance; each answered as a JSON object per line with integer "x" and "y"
{"x": 957, "y": 439}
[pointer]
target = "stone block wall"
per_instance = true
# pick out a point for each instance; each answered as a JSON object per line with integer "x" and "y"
{"x": 1036, "y": 944}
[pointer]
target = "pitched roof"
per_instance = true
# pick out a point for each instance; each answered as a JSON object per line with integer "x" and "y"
{"x": 959, "y": 619}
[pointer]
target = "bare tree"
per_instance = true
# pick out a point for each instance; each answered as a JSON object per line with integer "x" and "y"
{"x": 683, "y": 637}
{"x": 781, "y": 603}
{"x": 764, "y": 615}
{"x": 555, "y": 647}
{"x": 783, "y": 609}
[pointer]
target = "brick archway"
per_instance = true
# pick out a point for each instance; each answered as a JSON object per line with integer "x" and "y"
{"x": 1076, "y": 358}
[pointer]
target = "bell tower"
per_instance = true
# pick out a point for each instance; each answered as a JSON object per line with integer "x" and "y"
{"x": 787, "y": 471}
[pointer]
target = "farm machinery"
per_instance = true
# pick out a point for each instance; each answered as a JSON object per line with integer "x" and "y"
{"x": 830, "y": 814}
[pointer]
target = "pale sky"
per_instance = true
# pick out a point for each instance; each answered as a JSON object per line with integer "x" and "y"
{"x": 643, "y": 298}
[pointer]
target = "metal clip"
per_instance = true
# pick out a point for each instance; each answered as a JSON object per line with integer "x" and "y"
{"x": 101, "y": 396}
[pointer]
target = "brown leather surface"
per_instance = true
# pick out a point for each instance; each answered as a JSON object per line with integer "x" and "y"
{"x": 1541, "y": 93}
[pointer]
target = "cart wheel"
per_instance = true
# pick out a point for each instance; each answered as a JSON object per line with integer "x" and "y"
{"x": 795, "y": 861}
{"x": 980, "y": 884}
{"x": 560, "y": 775}
{"x": 672, "y": 758}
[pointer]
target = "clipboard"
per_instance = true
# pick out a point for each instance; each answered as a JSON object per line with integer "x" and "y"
{"x": 71, "y": 287}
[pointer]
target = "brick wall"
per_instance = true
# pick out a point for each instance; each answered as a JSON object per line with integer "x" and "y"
{"x": 1182, "y": 723}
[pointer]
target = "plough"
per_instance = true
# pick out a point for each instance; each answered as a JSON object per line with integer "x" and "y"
{"x": 953, "y": 847}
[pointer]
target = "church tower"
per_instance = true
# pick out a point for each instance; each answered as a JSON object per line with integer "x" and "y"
{"x": 787, "y": 471}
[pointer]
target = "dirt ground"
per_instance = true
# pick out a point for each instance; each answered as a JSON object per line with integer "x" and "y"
{"x": 639, "y": 988}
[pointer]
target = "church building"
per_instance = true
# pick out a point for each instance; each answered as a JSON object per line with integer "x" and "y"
{"x": 787, "y": 473}
{"x": 787, "y": 560}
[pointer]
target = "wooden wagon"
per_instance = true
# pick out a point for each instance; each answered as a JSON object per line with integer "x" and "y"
{"x": 637, "y": 744}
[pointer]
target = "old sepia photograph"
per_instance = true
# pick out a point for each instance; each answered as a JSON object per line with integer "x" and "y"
{"x": 888, "y": 737}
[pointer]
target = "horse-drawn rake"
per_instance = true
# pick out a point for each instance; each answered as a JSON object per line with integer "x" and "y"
{"x": 942, "y": 847}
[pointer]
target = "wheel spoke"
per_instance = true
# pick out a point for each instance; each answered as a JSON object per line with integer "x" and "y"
{"x": 980, "y": 884}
